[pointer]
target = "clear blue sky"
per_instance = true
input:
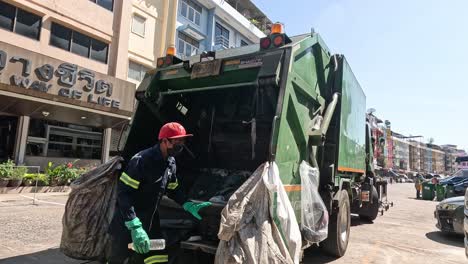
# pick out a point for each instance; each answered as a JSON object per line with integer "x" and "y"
{"x": 410, "y": 57}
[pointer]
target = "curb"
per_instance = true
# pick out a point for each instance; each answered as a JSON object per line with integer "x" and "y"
{"x": 29, "y": 189}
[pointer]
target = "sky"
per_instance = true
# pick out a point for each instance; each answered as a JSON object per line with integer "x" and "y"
{"x": 410, "y": 57}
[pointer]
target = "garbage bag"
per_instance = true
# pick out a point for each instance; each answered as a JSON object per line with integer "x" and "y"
{"x": 89, "y": 212}
{"x": 314, "y": 214}
{"x": 258, "y": 224}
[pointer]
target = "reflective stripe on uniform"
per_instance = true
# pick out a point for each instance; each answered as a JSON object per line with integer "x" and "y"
{"x": 157, "y": 259}
{"x": 172, "y": 185}
{"x": 129, "y": 181}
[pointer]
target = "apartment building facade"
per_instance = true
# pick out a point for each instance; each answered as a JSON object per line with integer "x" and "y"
{"x": 63, "y": 81}
{"x": 210, "y": 25}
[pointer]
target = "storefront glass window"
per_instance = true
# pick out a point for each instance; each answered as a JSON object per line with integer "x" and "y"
{"x": 63, "y": 140}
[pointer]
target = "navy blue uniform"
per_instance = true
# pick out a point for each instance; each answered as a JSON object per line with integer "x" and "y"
{"x": 141, "y": 186}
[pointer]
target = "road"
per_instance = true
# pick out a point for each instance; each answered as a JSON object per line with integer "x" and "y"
{"x": 405, "y": 234}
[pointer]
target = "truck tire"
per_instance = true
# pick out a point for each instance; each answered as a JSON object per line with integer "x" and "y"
{"x": 372, "y": 209}
{"x": 338, "y": 228}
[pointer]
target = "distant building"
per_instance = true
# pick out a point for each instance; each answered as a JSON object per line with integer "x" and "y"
{"x": 210, "y": 25}
{"x": 415, "y": 154}
{"x": 450, "y": 157}
{"x": 438, "y": 159}
{"x": 401, "y": 153}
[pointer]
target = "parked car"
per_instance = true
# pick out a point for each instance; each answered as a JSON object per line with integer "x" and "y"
{"x": 450, "y": 215}
{"x": 402, "y": 178}
{"x": 466, "y": 223}
{"x": 456, "y": 177}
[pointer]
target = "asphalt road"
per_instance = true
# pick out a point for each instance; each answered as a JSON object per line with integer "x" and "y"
{"x": 405, "y": 234}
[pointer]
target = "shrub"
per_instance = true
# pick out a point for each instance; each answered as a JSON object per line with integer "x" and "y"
{"x": 7, "y": 169}
{"x": 42, "y": 179}
{"x": 18, "y": 173}
{"x": 64, "y": 173}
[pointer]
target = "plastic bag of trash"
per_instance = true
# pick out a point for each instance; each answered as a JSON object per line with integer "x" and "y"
{"x": 258, "y": 224}
{"x": 89, "y": 212}
{"x": 314, "y": 214}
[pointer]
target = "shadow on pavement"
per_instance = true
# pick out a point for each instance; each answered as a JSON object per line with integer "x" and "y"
{"x": 49, "y": 256}
{"x": 315, "y": 255}
{"x": 357, "y": 221}
{"x": 447, "y": 239}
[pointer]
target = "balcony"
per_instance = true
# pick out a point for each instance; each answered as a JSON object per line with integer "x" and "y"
{"x": 222, "y": 42}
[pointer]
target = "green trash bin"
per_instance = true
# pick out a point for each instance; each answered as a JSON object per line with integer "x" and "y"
{"x": 450, "y": 191}
{"x": 428, "y": 191}
{"x": 440, "y": 192}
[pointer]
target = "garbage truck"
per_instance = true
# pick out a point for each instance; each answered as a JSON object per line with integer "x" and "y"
{"x": 285, "y": 100}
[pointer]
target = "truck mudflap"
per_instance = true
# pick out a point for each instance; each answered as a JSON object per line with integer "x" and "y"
{"x": 258, "y": 224}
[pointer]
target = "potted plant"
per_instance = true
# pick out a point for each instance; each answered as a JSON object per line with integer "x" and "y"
{"x": 17, "y": 176}
{"x": 29, "y": 179}
{"x": 62, "y": 174}
{"x": 6, "y": 171}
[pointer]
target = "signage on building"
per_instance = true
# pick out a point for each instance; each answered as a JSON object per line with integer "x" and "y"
{"x": 31, "y": 71}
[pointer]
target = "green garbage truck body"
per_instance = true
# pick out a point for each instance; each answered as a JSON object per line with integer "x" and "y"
{"x": 245, "y": 106}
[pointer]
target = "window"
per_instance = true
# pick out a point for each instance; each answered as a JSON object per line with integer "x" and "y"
{"x": 20, "y": 21}
{"x": 54, "y": 139}
{"x": 99, "y": 50}
{"x": 60, "y": 36}
{"x": 78, "y": 43}
{"x": 243, "y": 43}
{"x": 138, "y": 25}
{"x": 136, "y": 71}
{"x": 107, "y": 4}
{"x": 191, "y": 10}
{"x": 187, "y": 46}
{"x": 221, "y": 36}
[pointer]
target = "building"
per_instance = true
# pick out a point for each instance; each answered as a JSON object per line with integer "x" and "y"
{"x": 415, "y": 154}
{"x": 210, "y": 25}
{"x": 401, "y": 157}
{"x": 462, "y": 162}
{"x": 63, "y": 78}
{"x": 152, "y": 29}
{"x": 450, "y": 157}
{"x": 438, "y": 159}
{"x": 192, "y": 26}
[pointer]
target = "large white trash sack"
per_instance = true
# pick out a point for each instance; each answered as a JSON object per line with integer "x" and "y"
{"x": 314, "y": 214}
{"x": 258, "y": 224}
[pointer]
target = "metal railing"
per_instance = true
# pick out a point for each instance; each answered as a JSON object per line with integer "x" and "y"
{"x": 222, "y": 41}
{"x": 32, "y": 170}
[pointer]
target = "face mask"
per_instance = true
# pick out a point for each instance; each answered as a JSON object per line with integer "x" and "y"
{"x": 175, "y": 150}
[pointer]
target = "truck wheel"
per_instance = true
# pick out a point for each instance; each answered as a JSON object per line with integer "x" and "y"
{"x": 338, "y": 228}
{"x": 371, "y": 210}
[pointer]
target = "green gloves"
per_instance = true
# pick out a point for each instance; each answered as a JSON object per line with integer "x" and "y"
{"x": 193, "y": 208}
{"x": 141, "y": 242}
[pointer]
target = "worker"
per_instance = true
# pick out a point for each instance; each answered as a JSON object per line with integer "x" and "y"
{"x": 418, "y": 185}
{"x": 146, "y": 178}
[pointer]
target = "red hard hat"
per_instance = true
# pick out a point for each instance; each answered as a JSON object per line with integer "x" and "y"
{"x": 173, "y": 130}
